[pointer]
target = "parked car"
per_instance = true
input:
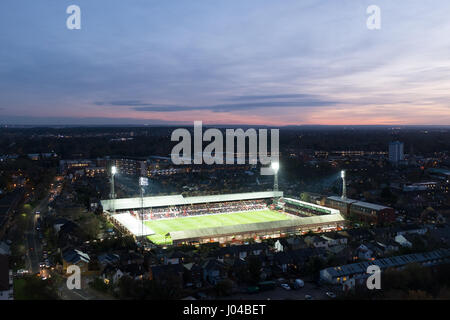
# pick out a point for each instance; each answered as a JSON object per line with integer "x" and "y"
{"x": 330, "y": 294}
{"x": 308, "y": 297}
{"x": 22, "y": 271}
{"x": 298, "y": 283}
{"x": 285, "y": 286}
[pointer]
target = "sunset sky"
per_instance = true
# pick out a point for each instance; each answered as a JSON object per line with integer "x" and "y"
{"x": 267, "y": 62}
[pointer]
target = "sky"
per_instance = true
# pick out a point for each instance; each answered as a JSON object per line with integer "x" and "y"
{"x": 253, "y": 62}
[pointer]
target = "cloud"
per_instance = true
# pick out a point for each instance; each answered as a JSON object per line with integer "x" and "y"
{"x": 89, "y": 121}
{"x": 274, "y": 96}
{"x": 308, "y": 101}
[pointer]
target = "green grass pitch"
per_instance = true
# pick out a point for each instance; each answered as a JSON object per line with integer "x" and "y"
{"x": 162, "y": 227}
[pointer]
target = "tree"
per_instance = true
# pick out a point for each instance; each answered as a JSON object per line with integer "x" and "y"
{"x": 223, "y": 288}
{"x": 254, "y": 268}
{"x": 36, "y": 289}
{"x": 304, "y": 196}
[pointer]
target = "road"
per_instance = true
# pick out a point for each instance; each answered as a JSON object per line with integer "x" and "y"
{"x": 33, "y": 242}
{"x": 85, "y": 293}
{"x": 318, "y": 293}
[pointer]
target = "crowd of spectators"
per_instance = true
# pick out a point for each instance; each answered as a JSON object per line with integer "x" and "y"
{"x": 302, "y": 211}
{"x": 199, "y": 209}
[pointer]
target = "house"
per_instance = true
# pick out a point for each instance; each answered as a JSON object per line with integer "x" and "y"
{"x": 316, "y": 241}
{"x": 411, "y": 229}
{"x": 357, "y": 234}
{"x": 6, "y": 279}
{"x": 174, "y": 257}
{"x": 239, "y": 251}
{"x": 169, "y": 273}
{"x": 296, "y": 243}
{"x": 282, "y": 260}
{"x": 111, "y": 274}
{"x": 280, "y": 246}
{"x": 383, "y": 233}
{"x": 75, "y": 257}
{"x": 193, "y": 275}
{"x": 363, "y": 252}
{"x": 391, "y": 246}
{"x": 403, "y": 241}
{"x": 334, "y": 239}
{"x": 341, "y": 274}
{"x": 106, "y": 259}
{"x": 213, "y": 271}
{"x": 441, "y": 235}
{"x": 58, "y": 223}
{"x": 5, "y": 249}
{"x": 135, "y": 271}
{"x": 301, "y": 256}
{"x": 131, "y": 257}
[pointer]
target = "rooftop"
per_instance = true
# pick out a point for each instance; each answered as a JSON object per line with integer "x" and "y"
{"x": 358, "y": 268}
{"x": 177, "y": 200}
{"x": 340, "y": 199}
{"x": 254, "y": 227}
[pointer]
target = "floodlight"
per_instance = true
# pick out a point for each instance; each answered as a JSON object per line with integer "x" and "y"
{"x": 113, "y": 170}
{"x": 343, "y": 174}
{"x": 275, "y": 166}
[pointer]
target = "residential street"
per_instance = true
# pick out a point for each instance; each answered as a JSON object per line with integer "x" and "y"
{"x": 34, "y": 244}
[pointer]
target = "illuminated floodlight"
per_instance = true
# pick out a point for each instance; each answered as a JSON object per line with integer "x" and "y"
{"x": 275, "y": 166}
{"x": 343, "y": 174}
{"x": 113, "y": 170}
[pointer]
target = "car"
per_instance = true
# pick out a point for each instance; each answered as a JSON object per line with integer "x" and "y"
{"x": 298, "y": 283}
{"x": 41, "y": 264}
{"x": 22, "y": 271}
{"x": 330, "y": 294}
{"x": 285, "y": 286}
{"x": 308, "y": 297}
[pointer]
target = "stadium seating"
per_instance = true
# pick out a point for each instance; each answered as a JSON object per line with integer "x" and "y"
{"x": 199, "y": 209}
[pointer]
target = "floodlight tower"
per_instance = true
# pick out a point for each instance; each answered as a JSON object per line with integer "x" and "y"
{"x": 113, "y": 194}
{"x": 275, "y": 167}
{"x": 344, "y": 186}
{"x": 142, "y": 183}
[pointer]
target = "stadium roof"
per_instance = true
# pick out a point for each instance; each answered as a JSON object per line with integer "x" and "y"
{"x": 311, "y": 206}
{"x": 176, "y": 200}
{"x": 254, "y": 227}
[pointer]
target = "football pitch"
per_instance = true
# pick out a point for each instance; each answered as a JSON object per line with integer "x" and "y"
{"x": 162, "y": 227}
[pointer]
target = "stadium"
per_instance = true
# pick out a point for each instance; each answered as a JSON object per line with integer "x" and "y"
{"x": 177, "y": 220}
